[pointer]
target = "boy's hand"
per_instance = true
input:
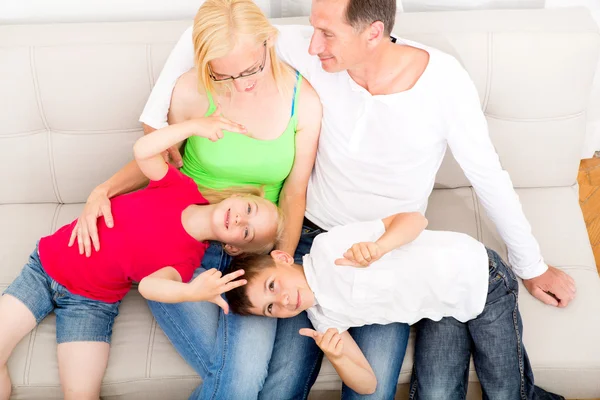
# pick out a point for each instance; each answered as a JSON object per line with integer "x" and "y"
{"x": 329, "y": 342}
{"x": 210, "y": 285}
{"x": 361, "y": 255}
{"x": 212, "y": 127}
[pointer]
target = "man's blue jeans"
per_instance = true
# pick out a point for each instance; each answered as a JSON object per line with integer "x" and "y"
{"x": 443, "y": 349}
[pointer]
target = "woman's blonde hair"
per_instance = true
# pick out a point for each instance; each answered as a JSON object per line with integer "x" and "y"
{"x": 215, "y": 196}
{"x": 216, "y": 28}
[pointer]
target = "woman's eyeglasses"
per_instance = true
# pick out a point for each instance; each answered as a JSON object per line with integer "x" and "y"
{"x": 256, "y": 70}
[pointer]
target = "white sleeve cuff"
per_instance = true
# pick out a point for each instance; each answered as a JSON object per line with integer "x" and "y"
{"x": 531, "y": 271}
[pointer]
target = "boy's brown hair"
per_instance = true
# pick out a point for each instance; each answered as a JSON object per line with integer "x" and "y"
{"x": 252, "y": 264}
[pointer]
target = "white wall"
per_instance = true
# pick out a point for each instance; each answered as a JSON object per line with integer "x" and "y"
{"x": 49, "y": 11}
{"x": 593, "y": 133}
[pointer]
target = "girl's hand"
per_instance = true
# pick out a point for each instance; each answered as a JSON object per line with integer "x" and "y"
{"x": 212, "y": 127}
{"x": 329, "y": 342}
{"x": 86, "y": 229}
{"x": 361, "y": 255}
{"x": 210, "y": 285}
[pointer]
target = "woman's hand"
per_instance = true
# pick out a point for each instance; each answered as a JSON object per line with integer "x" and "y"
{"x": 212, "y": 127}
{"x": 361, "y": 255}
{"x": 211, "y": 284}
{"x": 86, "y": 229}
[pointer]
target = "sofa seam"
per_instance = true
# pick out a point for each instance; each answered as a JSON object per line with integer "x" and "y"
{"x": 40, "y": 105}
{"x": 69, "y": 132}
{"x": 28, "y": 362}
{"x": 21, "y": 134}
{"x": 97, "y": 132}
{"x": 488, "y": 83}
{"x": 545, "y": 119}
{"x": 149, "y": 65}
{"x": 150, "y": 351}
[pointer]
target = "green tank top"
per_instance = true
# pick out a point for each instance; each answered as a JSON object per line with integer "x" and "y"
{"x": 239, "y": 160}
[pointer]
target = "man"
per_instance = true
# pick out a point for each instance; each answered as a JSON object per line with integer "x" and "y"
{"x": 390, "y": 110}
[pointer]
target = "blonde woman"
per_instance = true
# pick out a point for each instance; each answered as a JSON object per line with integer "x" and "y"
{"x": 271, "y": 121}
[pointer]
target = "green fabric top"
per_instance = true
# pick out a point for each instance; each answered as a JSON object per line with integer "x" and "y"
{"x": 239, "y": 160}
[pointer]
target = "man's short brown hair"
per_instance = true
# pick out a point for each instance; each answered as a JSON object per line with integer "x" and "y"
{"x": 252, "y": 264}
{"x": 360, "y": 13}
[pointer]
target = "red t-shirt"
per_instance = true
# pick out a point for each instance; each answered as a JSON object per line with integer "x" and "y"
{"x": 147, "y": 235}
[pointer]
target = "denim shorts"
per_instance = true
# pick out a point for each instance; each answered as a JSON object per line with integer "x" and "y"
{"x": 78, "y": 319}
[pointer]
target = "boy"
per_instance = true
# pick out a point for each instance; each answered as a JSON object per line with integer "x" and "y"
{"x": 398, "y": 279}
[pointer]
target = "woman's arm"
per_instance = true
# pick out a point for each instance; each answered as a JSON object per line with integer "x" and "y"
{"x": 181, "y": 59}
{"x": 165, "y": 286}
{"x": 347, "y": 359}
{"x": 292, "y": 199}
{"x": 127, "y": 179}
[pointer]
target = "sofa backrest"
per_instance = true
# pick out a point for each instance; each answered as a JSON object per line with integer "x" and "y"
{"x": 71, "y": 94}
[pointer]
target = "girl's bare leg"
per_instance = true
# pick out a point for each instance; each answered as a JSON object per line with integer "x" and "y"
{"x": 16, "y": 321}
{"x": 81, "y": 366}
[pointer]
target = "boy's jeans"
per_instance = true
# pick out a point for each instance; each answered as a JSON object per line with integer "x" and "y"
{"x": 443, "y": 349}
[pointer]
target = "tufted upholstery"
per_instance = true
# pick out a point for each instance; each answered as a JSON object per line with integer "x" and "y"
{"x": 70, "y": 96}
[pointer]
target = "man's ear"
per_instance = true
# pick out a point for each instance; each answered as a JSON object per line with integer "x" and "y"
{"x": 282, "y": 256}
{"x": 375, "y": 32}
{"x": 232, "y": 250}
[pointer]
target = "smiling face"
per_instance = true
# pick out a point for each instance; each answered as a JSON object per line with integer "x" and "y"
{"x": 337, "y": 44}
{"x": 280, "y": 291}
{"x": 246, "y": 223}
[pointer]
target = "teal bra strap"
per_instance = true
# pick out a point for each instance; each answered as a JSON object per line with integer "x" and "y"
{"x": 296, "y": 91}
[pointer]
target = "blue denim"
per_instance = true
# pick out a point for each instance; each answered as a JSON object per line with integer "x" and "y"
{"x": 384, "y": 346}
{"x": 238, "y": 357}
{"x": 443, "y": 349}
{"x": 78, "y": 318}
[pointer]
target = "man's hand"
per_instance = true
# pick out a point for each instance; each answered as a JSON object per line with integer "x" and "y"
{"x": 86, "y": 229}
{"x": 361, "y": 255}
{"x": 211, "y": 284}
{"x": 329, "y": 342}
{"x": 553, "y": 287}
{"x": 173, "y": 156}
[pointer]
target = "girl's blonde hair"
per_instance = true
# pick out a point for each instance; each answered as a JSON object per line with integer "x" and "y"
{"x": 215, "y": 196}
{"x": 216, "y": 28}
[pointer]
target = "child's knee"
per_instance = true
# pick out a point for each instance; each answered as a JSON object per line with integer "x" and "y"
{"x": 81, "y": 393}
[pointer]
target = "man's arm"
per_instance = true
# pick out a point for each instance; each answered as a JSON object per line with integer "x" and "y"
{"x": 472, "y": 148}
{"x": 347, "y": 359}
{"x": 181, "y": 60}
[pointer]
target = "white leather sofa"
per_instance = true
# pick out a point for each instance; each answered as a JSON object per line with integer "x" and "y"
{"x": 70, "y": 97}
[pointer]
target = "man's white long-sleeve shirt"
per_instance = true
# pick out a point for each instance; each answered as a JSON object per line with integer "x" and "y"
{"x": 378, "y": 155}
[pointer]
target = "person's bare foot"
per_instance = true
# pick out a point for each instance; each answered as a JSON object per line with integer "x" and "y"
{"x": 5, "y": 385}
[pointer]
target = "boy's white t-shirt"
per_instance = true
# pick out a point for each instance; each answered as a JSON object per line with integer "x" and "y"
{"x": 439, "y": 274}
